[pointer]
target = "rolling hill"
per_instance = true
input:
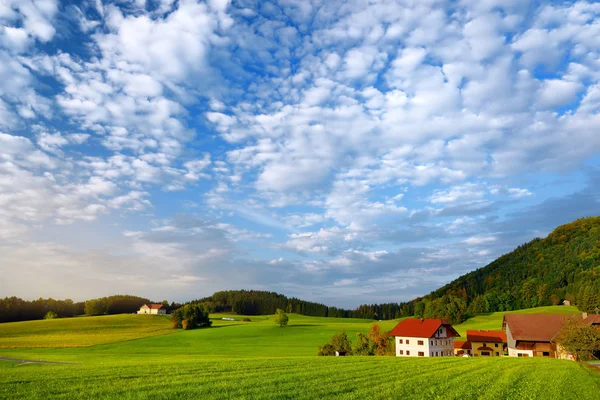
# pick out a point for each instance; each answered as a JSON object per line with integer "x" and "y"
{"x": 563, "y": 266}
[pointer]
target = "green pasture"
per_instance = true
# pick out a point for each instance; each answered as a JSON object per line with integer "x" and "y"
{"x": 136, "y": 356}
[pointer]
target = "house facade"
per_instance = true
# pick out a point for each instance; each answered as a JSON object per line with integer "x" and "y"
{"x": 532, "y": 335}
{"x": 462, "y": 348}
{"x": 486, "y": 343}
{"x": 424, "y": 338}
{"x": 152, "y": 309}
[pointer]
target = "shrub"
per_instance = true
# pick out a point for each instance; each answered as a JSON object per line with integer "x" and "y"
{"x": 326, "y": 350}
{"x": 246, "y": 319}
{"x": 50, "y": 315}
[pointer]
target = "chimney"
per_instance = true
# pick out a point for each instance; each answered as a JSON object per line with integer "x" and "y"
{"x": 584, "y": 315}
{"x": 422, "y": 319}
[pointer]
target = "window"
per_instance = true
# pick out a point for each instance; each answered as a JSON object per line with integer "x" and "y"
{"x": 497, "y": 354}
{"x": 485, "y": 353}
{"x": 400, "y": 341}
{"x": 546, "y": 354}
{"x": 432, "y": 342}
{"x": 436, "y": 353}
{"x": 436, "y": 342}
{"x": 408, "y": 352}
{"x": 421, "y": 354}
{"x": 495, "y": 344}
{"x": 407, "y": 341}
{"x": 420, "y": 342}
{"x": 484, "y": 345}
{"x": 401, "y": 352}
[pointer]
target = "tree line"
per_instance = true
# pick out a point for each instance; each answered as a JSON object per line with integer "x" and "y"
{"x": 14, "y": 309}
{"x": 259, "y": 302}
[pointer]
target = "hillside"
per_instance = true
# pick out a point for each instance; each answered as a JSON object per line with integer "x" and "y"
{"x": 563, "y": 266}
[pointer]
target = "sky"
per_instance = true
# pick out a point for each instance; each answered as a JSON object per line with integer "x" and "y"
{"x": 344, "y": 152}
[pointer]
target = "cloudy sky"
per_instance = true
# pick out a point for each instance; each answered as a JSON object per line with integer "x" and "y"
{"x": 339, "y": 151}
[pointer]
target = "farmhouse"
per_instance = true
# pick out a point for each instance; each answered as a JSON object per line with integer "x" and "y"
{"x": 531, "y": 335}
{"x": 486, "y": 343}
{"x": 424, "y": 338}
{"x": 462, "y": 348}
{"x": 152, "y": 309}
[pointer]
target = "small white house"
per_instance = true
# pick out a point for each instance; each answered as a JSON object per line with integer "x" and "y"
{"x": 424, "y": 338}
{"x": 152, "y": 309}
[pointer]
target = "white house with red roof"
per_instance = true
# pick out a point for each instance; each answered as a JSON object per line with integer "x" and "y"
{"x": 430, "y": 337}
{"x": 152, "y": 309}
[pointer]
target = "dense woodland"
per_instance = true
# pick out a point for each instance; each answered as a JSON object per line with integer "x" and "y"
{"x": 16, "y": 309}
{"x": 256, "y": 302}
{"x": 563, "y": 266}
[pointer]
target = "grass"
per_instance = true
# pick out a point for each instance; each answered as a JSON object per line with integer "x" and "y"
{"x": 131, "y": 356}
{"x": 305, "y": 378}
{"x": 80, "y": 332}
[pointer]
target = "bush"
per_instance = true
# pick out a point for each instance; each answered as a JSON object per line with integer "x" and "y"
{"x": 326, "y": 350}
{"x": 246, "y": 319}
{"x": 50, "y": 315}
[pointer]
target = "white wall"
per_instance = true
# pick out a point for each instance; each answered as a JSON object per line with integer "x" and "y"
{"x": 442, "y": 347}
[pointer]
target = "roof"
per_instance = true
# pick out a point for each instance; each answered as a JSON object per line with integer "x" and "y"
{"x": 153, "y": 306}
{"x": 535, "y": 327}
{"x": 424, "y": 328}
{"x": 593, "y": 319}
{"x": 486, "y": 336}
{"x": 462, "y": 344}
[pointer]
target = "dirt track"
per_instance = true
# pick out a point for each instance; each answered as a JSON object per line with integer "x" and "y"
{"x": 23, "y": 362}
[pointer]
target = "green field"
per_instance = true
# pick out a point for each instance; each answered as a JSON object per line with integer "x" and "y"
{"x": 257, "y": 359}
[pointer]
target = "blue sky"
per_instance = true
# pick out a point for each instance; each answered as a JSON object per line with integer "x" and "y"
{"x": 345, "y": 152}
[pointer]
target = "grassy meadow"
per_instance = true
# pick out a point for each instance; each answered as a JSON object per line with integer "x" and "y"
{"x": 132, "y": 356}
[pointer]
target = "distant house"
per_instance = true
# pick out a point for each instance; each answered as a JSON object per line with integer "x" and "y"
{"x": 532, "y": 335}
{"x": 462, "y": 348}
{"x": 152, "y": 309}
{"x": 486, "y": 343}
{"x": 566, "y": 303}
{"x": 424, "y": 338}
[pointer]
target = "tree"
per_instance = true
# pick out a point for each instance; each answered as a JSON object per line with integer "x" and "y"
{"x": 364, "y": 346}
{"x": 50, "y": 315}
{"x": 580, "y": 340}
{"x": 95, "y": 307}
{"x": 341, "y": 343}
{"x": 190, "y": 316}
{"x": 383, "y": 343}
{"x": 281, "y": 318}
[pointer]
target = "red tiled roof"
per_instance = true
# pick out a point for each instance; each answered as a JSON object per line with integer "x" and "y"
{"x": 486, "y": 336}
{"x": 425, "y": 328}
{"x": 153, "y": 306}
{"x": 535, "y": 327}
{"x": 462, "y": 344}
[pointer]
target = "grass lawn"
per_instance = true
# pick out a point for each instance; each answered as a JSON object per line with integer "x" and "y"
{"x": 133, "y": 356}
